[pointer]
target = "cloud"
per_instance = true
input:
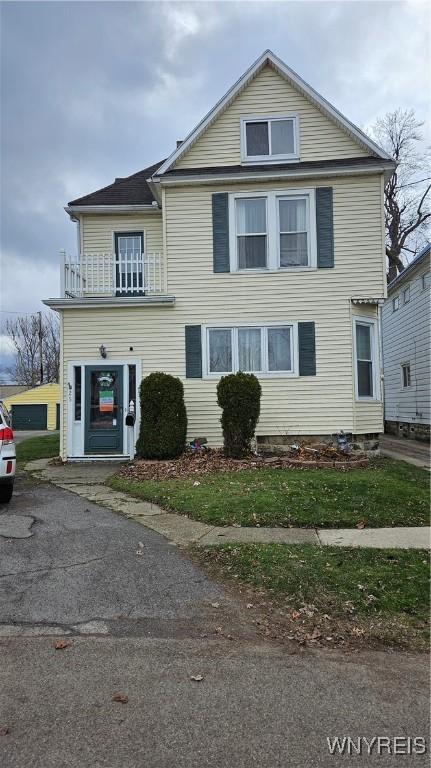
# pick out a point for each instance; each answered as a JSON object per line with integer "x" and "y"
{"x": 104, "y": 89}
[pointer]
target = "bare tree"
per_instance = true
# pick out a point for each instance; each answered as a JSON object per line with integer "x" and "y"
{"x": 407, "y": 210}
{"x": 36, "y": 339}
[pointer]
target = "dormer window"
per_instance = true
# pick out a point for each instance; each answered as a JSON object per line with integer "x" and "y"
{"x": 269, "y": 139}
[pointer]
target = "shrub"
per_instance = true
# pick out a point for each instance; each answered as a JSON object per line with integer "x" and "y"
{"x": 239, "y": 396}
{"x": 163, "y": 429}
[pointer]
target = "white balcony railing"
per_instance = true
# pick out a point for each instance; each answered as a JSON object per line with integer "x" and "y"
{"x": 104, "y": 274}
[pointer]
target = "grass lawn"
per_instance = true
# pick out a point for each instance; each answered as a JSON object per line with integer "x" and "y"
{"x": 380, "y": 595}
{"x": 389, "y": 493}
{"x": 38, "y": 448}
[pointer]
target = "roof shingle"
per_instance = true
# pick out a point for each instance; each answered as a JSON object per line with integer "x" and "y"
{"x": 132, "y": 190}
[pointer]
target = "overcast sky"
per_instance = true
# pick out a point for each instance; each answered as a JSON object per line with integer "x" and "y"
{"x": 94, "y": 90}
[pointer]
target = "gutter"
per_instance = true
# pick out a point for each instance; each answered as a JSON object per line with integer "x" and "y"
{"x": 108, "y": 301}
{"x": 74, "y": 209}
{"x": 238, "y": 178}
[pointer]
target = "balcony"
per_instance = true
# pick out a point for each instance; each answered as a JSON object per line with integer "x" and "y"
{"x": 105, "y": 274}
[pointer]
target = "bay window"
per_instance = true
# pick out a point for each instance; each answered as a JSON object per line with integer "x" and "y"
{"x": 365, "y": 343}
{"x": 272, "y": 230}
{"x": 254, "y": 349}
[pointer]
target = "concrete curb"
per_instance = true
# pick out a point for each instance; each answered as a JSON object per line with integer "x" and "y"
{"x": 179, "y": 529}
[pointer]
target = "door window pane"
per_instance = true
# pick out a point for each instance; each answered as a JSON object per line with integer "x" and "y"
{"x": 279, "y": 349}
{"x": 257, "y": 138}
{"x": 282, "y": 137}
{"x": 104, "y": 405}
{"x": 249, "y": 349}
{"x": 220, "y": 350}
{"x": 78, "y": 389}
{"x": 132, "y": 386}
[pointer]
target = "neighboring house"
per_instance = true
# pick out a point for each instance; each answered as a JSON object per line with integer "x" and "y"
{"x": 36, "y": 408}
{"x": 7, "y": 390}
{"x": 257, "y": 245}
{"x": 406, "y": 350}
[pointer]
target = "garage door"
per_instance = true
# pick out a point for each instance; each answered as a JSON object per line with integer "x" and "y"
{"x": 29, "y": 416}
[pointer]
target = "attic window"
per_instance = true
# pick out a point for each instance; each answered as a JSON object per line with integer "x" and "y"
{"x": 269, "y": 139}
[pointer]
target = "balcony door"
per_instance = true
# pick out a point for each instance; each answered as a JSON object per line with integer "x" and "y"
{"x": 129, "y": 263}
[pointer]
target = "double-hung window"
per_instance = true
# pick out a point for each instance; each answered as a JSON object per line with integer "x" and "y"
{"x": 406, "y": 375}
{"x": 251, "y": 232}
{"x": 293, "y": 228}
{"x": 273, "y": 230}
{"x": 254, "y": 349}
{"x": 365, "y": 351}
{"x": 269, "y": 139}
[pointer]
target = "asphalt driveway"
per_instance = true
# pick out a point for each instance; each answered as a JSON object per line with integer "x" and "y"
{"x": 203, "y": 688}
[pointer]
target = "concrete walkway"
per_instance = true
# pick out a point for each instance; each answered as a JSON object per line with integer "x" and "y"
{"x": 403, "y": 449}
{"x": 87, "y": 480}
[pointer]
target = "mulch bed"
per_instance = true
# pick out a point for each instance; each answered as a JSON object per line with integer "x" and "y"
{"x": 210, "y": 461}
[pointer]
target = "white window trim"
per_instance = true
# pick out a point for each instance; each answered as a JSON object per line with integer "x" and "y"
{"x": 396, "y": 308}
{"x": 405, "y": 290}
{"x": 272, "y": 228}
{"x": 269, "y": 159}
{"x": 403, "y": 365}
{"x": 234, "y": 327}
{"x": 372, "y": 322}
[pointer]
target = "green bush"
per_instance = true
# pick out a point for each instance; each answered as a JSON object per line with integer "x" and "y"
{"x": 239, "y": 397}
{"x": 163, "y": 429}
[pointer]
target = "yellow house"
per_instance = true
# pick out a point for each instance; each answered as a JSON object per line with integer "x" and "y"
{"x": 35, "y": 408}
{"x": 258, "y": 245}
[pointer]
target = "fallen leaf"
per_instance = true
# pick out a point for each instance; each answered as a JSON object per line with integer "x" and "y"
{"x": 122, "y": 698}
{"x": 215, "y": 605}
{"x": 4, "y": 731}
{"x": 196, "y": 678}
{"x": 358, "y": 632}
{"x": 360, "y": 525}
{"x": 196, "y": 482}
{"x": 295, "y": 615}
{"x": 60, "y": 644}
{"x": 250, "y": 605}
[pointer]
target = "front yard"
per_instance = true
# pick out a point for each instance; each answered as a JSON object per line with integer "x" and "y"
{"x": 388, "y": 493}
{"x": 40, "y": 447}
{"x": 329, "y": 596}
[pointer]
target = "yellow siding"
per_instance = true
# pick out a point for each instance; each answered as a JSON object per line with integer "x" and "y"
{"x": 319, "y": 404}
{"x": 97, "y": 231}
{"x": 48, "y": 394}
{"x": 269, "y": 93}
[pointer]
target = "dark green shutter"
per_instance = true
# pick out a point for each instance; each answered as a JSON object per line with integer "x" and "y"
{"x": 193, "y": 352}
{"x": 307, "y": 349}
{"x": 220, "y": 206}
{"x": 324, "y": 227}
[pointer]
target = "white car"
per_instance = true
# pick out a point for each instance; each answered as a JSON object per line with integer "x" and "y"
{"x": 7, "y": 456}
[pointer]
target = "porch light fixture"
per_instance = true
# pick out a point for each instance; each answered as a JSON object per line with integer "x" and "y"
{"x": 103, "y": 351}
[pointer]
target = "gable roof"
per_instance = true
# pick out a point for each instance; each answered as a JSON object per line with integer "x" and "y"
{"x": 269, "y": 58}
{"x": 131, "y": 190}
{"x": 423, "y": 255}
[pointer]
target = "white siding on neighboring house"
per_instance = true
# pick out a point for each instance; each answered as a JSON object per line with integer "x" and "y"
{"x": 270, "y": 94}
{"x": 406, "y": 339}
